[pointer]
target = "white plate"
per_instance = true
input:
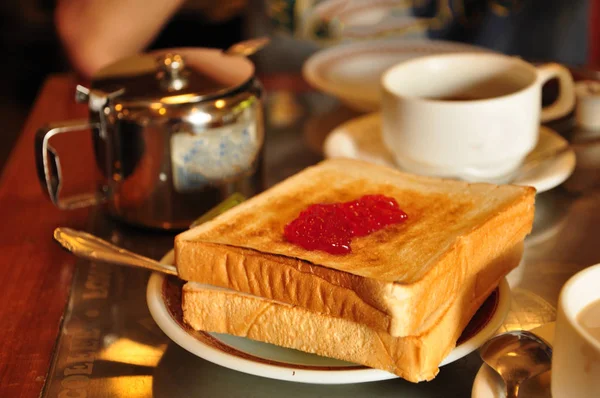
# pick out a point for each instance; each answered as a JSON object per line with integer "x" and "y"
{"x": 267, "y": 360}
{"x": 360, "y": 138}
{"x": 488, "y": 383}
{"x": 351, "y": 72}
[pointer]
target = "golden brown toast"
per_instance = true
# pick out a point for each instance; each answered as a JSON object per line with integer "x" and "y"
{"x": 415, "y": 358}
{"x": 399, "y": 279}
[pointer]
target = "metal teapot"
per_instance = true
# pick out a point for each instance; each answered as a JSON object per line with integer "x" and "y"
{"x": 174, "y": 133}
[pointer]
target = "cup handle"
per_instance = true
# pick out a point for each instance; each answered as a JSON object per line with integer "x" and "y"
{"x": 48, "y": 166}
{"x": 566, "y": 96}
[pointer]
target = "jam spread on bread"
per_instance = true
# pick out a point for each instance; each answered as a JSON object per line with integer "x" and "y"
{"x": 330, "y": 227}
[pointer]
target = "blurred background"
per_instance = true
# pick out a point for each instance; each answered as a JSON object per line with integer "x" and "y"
{"x": 33, "y": 48}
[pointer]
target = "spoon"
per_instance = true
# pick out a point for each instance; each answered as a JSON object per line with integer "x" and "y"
{"x": 91, "y": 247}
{"x": 248, "y": 47}
{"x": 516, "y": 356}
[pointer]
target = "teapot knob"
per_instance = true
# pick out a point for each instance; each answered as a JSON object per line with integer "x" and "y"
{"x": 172, "y": 72}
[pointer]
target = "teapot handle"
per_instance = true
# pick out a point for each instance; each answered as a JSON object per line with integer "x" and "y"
{"x": 49, "y": 170}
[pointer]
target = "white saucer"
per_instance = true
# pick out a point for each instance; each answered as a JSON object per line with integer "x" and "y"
{"x": 360, "y": 138}
{"x": 267, "y": 360}
{"x": 488, "y": 383}
{"x": 351, "y": 72}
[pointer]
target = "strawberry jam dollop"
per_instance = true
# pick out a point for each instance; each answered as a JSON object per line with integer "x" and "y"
{"x": 330, "y": 227}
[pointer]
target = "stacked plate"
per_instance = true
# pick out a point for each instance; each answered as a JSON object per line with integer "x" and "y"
{"x": 351, "y": 72}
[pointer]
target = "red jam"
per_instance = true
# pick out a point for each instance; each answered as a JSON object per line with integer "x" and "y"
{"x": 331, "y": 227}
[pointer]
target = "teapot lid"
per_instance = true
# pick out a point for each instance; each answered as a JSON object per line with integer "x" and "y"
{"x": 174, "y": 76}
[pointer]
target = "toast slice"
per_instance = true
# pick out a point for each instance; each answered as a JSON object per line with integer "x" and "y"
{"x": 399, "y": 279}
{"x": 414, "y": 358}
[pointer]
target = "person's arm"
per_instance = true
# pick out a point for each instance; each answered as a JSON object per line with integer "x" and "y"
{"x": 96, "y": 33}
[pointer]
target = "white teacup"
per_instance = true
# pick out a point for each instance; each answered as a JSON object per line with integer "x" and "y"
{"x": 576, "y": 354}
{"x": 468, "y": 115}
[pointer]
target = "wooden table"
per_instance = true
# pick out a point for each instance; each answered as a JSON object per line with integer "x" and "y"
{"x": 37, "y": 273}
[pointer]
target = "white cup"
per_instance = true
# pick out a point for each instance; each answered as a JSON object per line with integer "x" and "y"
{"x": 587, "y": 112}
{"x": 576, "y": 354}
{"x": 480, "y": 138}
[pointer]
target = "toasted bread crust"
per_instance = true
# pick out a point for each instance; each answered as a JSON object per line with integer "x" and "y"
{"x": 288, "y": 280}
{"x": 414, "y": 358}
{"x": 391, "y": 296}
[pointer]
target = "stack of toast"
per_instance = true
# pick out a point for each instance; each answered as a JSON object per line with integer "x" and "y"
{"x": 398, "y": 301}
